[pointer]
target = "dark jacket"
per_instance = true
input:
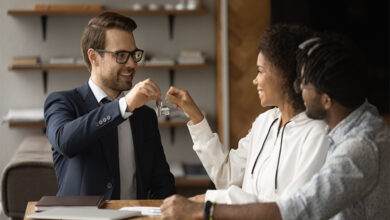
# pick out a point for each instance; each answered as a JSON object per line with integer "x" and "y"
{"x": 84, "y": 141}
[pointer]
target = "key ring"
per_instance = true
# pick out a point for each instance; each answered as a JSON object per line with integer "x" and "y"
{"x": 161, "y": 108}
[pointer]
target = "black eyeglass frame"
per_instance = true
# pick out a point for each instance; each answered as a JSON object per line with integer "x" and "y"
{"x": 129, "y": 53}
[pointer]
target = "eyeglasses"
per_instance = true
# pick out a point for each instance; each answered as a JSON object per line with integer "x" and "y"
{"x": 122, "y": 56}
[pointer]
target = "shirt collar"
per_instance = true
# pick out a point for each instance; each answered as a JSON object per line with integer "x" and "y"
{"x": 97, "y": 91}
{"x": 337, "y": 134}
{"x": 297, "y": 119}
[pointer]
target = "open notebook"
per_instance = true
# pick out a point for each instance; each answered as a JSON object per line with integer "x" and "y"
{"x": 91, "y": 213}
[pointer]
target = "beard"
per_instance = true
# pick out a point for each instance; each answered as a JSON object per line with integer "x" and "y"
{"x": 118, "y": 84}
{"x": 315, "y": 113}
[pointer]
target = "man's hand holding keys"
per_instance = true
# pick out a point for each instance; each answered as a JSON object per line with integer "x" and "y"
{"x": 142, "y": 93}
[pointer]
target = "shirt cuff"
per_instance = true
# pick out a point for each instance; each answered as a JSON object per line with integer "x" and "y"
{"x": 217, "y": 196}
{"x": 200, "y": 133}
{"x": 123, "y": 107}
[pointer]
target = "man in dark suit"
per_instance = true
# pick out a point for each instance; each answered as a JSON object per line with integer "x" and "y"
{"x": 106, "y": 142}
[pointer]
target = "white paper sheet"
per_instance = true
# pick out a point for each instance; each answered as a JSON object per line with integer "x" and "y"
{"x": 145, "y": 210}
{"x": 81, "y": 213}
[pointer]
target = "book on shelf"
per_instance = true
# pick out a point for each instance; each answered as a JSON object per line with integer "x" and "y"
{"x": 62, "y": 60}
{"x": 190, "y": 60}
{"x": 191, "y": 57}
{"x": 50, "y": 202}
{"x": 67, "y": 7}
{"x": 26, "y": 61}
{"x": 153, "y": 6}
{"x": 157, "y": 61}
{"x": 191, "y": 53}
{"x": 24, "y": 115}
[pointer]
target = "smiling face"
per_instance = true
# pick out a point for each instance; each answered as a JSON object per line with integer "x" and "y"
{"x": 110, "y": 76}
{"x": 268, "y": 82}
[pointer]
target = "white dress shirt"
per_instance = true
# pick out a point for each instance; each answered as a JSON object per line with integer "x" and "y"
{"x": 304, "y": 150}
{"x": 127, "y": 167}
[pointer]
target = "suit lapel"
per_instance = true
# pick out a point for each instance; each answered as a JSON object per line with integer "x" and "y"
{"x": 109, "y": 142}
{"x": 88, "y": 97}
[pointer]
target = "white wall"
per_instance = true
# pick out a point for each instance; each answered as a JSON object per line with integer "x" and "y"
{"x": 23, "y": 36}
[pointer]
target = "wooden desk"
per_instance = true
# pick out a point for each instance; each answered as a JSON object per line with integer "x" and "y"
{"x": 111, "y": 204}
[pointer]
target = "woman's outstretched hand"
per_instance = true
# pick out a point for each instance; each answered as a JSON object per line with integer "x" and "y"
{"x": 181, "y": 99}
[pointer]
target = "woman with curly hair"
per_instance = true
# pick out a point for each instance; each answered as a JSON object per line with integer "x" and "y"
{"x": 284, "y": 148}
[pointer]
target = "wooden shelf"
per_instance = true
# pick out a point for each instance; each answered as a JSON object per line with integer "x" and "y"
{"x": 172, "y": 124}
{"x": 45, "y": 13}
{"x": 41, "y": 124}
{"x": 53, "y": 67}
{"x": 48, "y": 68}
{"x": 192, "y": 182}
{"x": 45, "y": 68}
{"x": 198, "y": 11}
{"x": 27, "y": 125}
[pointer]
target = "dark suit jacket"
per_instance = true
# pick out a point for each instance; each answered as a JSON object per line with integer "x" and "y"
{"x": 84, "y": 141}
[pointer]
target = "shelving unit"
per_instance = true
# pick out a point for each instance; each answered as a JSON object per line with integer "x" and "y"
{"x": 45, "y": 68}
{"x": 52, "y": 67}
{"x": 198, "y": 11}
{"x": 170, "y": 13}
{"x": 41, "y": 125}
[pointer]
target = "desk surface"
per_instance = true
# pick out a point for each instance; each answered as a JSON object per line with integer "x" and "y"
{"x": 112, "y": 204}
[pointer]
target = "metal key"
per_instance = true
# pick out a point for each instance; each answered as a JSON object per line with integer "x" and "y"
{"x": 161, "y": 108}
{"x": 158, "y": 104}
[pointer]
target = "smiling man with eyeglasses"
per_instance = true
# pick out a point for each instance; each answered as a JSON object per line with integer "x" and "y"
{"x": 104, "y": 141}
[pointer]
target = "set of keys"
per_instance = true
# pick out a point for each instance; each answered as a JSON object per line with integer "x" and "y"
{"x": 161, "y": 108}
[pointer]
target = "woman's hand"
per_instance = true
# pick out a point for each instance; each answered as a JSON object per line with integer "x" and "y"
{"x": 181, "y": 99}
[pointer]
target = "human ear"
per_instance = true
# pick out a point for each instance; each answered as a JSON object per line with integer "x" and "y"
{"x": 326, "y": 101}
{"x": 92, "y": 56}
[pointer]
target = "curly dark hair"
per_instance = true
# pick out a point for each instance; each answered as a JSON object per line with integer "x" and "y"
{"x": 278, "y": 45}
{"x": 335, "y": 66}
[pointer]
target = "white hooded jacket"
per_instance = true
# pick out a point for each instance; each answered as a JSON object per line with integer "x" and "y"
{"x": 240, "y": 179}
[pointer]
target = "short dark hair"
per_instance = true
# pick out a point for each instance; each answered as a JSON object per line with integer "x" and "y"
{"x": 335, "y": 66}
{"x": 278, "y": 45}
{"x": 94, "y": 35}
